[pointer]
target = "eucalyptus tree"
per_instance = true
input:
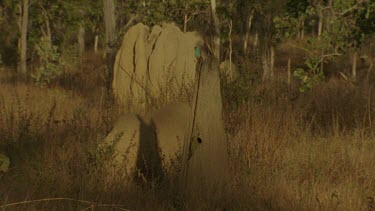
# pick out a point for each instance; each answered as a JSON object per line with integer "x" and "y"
{"x": 217, "y": 36}
{"x": 245, "y": 13}
{"x": 265, "y": 25}
{"x": 23, "y": 25}
{"x": 14, "y": 23}
{"x": 109, "y": 11}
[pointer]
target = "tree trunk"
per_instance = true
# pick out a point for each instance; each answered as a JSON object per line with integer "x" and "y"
{"x": 256, "y": 40}
{"x": 354, "y": 66}
{"x": 230, "y": 45}
{"x": 185, "y": 22}
{"x": 247, "y": 32}
{"x": 266, "y": 49}
{"x": 370, "y": 67}
{"x": 81, "y": 40}
{"x": 302, "y": 29}
{"x": 266, "y": 64}
{"x": 205, "y": 168}
{"x": 289, "y": 73}
{"x": 321, "y": 63}
{"x": 47, "y": 31}
{"x": 110, "y": 30}
{"x": 298, "y": 29}
{"x": 272, "y": 62}
{"x": 23, "y": 39}
{"x": 328, "y": 16}
{"x": 109, "y": 20}
{"x": 217, "y": 40}
{"x": 96, "y": 43}
{"x": 320, "y": 25}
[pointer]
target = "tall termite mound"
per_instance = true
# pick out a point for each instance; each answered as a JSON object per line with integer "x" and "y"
{"x": 205, "y": 159}
{"x": 148, "y": 62}
{"x": 146, "y": 145}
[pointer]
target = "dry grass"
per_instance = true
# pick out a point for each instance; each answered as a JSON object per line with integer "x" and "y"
{"x": 286, "y": 166}
{"x": 288, "y": 151}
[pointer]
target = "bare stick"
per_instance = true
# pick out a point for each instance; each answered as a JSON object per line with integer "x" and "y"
{"x": 94, "y": 204}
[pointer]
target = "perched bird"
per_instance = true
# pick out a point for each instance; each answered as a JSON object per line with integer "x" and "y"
{"x": 198, "y": 52}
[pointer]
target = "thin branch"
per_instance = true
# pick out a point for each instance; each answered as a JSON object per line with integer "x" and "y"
{"x": 321, "y": 59}
{"x": 300, "y": 47}
{"x": 131, "y": 21}
{"x": 329, "y": 55}
{"x": 356, "y": 6}
{"x": 89, "y": 207}
{"x": 94, "y": 204}
{"x": 326, "y": 8}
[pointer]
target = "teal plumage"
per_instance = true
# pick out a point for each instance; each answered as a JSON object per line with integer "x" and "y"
{"x": 198, "y": 53}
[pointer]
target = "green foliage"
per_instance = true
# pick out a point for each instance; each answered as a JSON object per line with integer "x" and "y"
{"x": 341, "y": 34}
{"x": 227, "y": 10}
{"x": 50, "y": 63}
{"x": 288, "y": 24}
{"x": 310, "y": 77}
{"x": 4, "y": 163}
{"x": 297, "y": 8}
{"x": 366, "y": 19}
{"x": 157, "y": 12}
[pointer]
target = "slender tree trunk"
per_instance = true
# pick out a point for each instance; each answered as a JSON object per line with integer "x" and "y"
{"x": 321, "y": 63}
{"x": 110, "y": 30}
{"x": 23, "y": 39}
{"x": 268, "y": 60}
{"x": 272, "y": 62}
{"x": 109, "y": 20}
{"x": 81, "y": 40}
{"x": 47, "y": 31}
{"x": 354, "y": 66}
{"x": 185, "y": 22}
{"x": 289, "y": 73}
{"x": 298, "y": 30}
{"x": 302, "y": 29}
{"x": 256, "y": 40}
{"x": 247, "y": 32}
{"x": 217, "y": 39}
{"x": 328, "y": 16}
{"x": 230, "y": 46}
{"x": 370, "y": 67}
{"x": 96, "y": 43}
{"x": 266, "y": 65}
{"x": 320, "y": 24}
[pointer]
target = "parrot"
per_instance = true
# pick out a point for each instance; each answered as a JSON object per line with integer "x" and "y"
{"x": 198, "y": 53}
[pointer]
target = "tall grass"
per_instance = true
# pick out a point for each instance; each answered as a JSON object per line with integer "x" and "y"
{"x": 294, "y": 156}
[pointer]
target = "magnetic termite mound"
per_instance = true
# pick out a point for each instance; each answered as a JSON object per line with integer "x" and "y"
{"x": 149, "y": 61}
